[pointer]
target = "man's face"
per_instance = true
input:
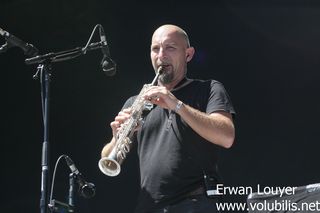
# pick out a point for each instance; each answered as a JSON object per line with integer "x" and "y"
{"x": 168, "y": 49}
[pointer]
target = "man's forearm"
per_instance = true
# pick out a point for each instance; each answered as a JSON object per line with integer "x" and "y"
{"x": 217, "y": 127}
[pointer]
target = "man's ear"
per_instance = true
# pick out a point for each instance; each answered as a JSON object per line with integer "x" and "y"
{"x": 189, "y": 53}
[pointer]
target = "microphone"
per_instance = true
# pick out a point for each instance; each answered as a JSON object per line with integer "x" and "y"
{"x": 12, "y": 41}
{"x": 86, "y": 189}
{"x": 107, "y": 64}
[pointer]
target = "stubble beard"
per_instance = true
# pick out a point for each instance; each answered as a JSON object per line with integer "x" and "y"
{"x": 166, "y": 77}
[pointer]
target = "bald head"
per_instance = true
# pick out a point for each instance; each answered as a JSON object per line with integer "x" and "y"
{"x": 170, "y": 49}
{"x": 168, "y": 29}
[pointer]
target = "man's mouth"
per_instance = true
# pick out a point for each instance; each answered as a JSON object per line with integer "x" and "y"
{"x": 164, "y": 66}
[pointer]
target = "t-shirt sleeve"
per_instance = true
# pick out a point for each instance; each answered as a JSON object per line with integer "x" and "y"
{"x": 129, "y": 102}
{"x": 219, "y": 99}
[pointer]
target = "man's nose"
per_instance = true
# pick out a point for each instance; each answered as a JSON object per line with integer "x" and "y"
{"x": 162, "y": 54}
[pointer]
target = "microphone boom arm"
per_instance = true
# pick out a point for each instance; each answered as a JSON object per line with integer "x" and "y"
{"x": 64, "y": 55}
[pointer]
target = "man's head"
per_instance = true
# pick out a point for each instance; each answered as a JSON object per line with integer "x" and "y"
{"x": 170, "y": 48}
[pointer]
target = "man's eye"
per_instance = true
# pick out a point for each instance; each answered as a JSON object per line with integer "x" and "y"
{"x": 155, "y": 49}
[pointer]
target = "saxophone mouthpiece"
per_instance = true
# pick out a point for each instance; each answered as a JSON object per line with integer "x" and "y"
{"x": 160, "y": 70}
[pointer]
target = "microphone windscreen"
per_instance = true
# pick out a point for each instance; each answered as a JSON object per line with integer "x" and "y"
{"x": 88, "y": 190}
{"x": 108, "y": 68}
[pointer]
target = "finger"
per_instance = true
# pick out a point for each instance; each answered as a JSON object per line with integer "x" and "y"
{"x": 151, "y": 89}
{"x": 114, "y": 124}
{"x": 127, "y": 110}
{"x": 126, "y": 114}
{"x": 122, "y": 118}
{"x": 152, "y": 96}
{"x": 154, "y": 99}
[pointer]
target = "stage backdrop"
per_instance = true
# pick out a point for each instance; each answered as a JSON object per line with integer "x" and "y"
{"x": 266, "y": 54}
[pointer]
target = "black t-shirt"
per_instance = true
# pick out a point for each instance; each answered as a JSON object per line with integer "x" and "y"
{"x": 172, "y": 156}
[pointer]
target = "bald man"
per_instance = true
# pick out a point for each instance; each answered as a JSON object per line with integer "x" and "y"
{"x": 179, "y": 139}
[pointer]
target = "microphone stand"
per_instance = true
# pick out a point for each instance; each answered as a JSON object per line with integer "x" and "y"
{"x": 45, "y": 69}
{"x": 58, "y": 206}
{"x": 45, "y": 73}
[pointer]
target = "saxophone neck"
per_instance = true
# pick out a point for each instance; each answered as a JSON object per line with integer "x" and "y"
{"x": 159, "y": 72}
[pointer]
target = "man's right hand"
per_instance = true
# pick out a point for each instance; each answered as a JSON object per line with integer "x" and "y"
{"x": 119, "y": 120}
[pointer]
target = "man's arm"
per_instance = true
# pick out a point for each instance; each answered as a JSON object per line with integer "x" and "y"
{"x": 216, "y": 127}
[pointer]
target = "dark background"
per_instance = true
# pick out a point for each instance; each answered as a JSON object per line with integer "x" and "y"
{"x": 265, "y": 52}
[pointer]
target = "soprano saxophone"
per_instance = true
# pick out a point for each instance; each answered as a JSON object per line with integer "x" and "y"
{"x": 111, "y": 165}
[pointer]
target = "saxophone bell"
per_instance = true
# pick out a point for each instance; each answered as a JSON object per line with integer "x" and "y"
{"x": 111, "y": 165}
